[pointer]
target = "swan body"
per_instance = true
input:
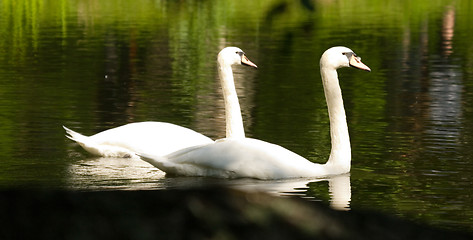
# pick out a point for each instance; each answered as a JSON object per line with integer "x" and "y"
{"x": 240, "y": 157}
{"x": 157, "y": 138}
{"x": 160, "y": 138}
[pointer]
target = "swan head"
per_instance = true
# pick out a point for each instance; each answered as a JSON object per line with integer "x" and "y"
{"x": 338, "y": 57}
{"x": 234, "y": 56}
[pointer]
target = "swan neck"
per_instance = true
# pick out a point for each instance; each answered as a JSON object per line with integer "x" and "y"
{"x": 340, "y": 154}
{"x": 233, "y": 118}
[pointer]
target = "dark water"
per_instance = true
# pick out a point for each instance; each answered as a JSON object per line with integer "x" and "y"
{"x": 96, "y": 65}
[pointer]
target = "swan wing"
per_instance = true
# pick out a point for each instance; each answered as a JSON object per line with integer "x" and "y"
{"x": 154, "y": 138}
{"x": 236, "y": 158}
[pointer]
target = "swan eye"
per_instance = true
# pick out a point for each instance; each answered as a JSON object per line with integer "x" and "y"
{"x": 239, "y": 53}
{"x": 349, "y": 54}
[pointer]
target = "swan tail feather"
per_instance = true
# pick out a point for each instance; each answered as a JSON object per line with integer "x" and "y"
{"x": 75, "y": 136}
{"x": 157, "y": 161}
{"x": 98, "y": 148}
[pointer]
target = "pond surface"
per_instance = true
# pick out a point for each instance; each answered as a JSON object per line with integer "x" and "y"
{"x": 93, "y": 65}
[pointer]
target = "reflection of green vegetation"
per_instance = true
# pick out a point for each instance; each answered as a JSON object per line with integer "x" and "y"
{"x": 24, "y": 21}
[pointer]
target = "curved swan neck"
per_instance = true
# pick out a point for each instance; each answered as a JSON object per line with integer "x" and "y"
{"x": 233, "y": 118}
{"x": 340, "y": 155}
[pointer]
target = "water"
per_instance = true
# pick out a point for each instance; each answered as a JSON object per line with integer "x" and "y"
{"x": 93, "y": 66}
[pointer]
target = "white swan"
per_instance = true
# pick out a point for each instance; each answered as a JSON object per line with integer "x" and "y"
{"x": 240, "y": 157}
{"x": 160, "y": 138}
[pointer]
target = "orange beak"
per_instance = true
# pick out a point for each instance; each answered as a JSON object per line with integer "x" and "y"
{"x": 246, "y": 61}
{"x": 356, "y": 63}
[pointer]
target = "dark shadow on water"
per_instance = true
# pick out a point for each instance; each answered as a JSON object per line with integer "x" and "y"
{"x": 203, "y": 213}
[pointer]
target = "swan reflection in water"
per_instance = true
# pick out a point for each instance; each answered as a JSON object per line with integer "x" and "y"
{"x": 339, "y": 188}
{"x": 103, "y": 173}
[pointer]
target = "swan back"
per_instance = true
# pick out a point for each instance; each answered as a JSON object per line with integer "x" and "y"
{"x": 237, "y": 158}
{"x": 156, "y": 138}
